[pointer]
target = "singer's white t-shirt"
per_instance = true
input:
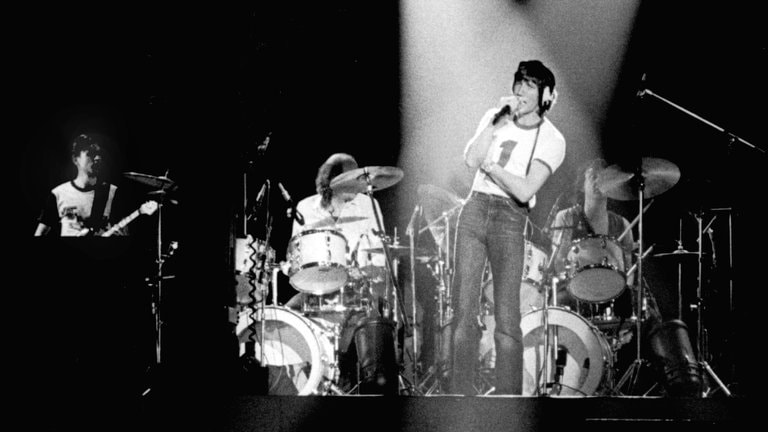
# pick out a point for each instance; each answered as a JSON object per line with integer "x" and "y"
{"x": 511, "y": 148}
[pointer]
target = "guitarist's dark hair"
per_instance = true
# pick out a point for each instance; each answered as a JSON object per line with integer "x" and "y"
{"x": 86, "y": 142}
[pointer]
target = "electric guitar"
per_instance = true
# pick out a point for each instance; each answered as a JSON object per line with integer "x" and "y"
{"x": 147, "y": 208}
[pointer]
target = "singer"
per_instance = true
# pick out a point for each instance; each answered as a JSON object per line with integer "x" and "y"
{"x": 87, "y": 201}
{"x": 514, "y": 151}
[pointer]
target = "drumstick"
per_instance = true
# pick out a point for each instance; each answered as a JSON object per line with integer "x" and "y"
{"x": 634, "y": 266}
{"x": 637, "y": 218}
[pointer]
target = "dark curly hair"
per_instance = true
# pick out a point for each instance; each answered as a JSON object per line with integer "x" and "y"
{"x": 336, "y": 164}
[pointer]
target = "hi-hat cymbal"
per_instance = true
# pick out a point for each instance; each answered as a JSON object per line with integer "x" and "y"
{"x": 679, "y": 253}
{"x": 659, "y": 175}
{"x": 397, "y": 250}
{"x": 159, "y": 182}
{"x": 356, "y": 181}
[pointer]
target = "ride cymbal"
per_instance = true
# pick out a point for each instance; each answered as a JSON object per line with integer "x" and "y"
{"x": 357, "y": 180}
{"x": 658, "y": 175}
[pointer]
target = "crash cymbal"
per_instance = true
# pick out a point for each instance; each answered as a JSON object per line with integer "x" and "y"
{"x": 659, "y": 176}
{"x": 159, "y": 182}
{"x": 356, "y": 181}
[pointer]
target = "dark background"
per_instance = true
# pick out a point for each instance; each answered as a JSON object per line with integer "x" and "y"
{"x": 191, "y": 92}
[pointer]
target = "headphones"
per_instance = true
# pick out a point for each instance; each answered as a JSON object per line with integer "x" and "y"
{"x": 548, "y": 99}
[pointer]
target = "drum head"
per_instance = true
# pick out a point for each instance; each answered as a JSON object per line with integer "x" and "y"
{"x": 588, "y": 358}
{"x": 294, "y": 349}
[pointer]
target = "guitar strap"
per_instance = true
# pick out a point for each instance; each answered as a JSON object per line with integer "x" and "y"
{"x": 96, "y": 221}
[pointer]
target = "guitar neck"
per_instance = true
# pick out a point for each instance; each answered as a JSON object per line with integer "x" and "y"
{"x": 120, "y": 225}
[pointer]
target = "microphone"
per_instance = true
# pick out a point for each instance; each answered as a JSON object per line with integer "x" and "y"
{"x": 263, "y": 189}
{"x": 263, "y": 147}
{"x": 284, "y": 192}
{"x": 641, "y": 92}
{"x": 505, "y": 110}
{"x": 291, "y": 212}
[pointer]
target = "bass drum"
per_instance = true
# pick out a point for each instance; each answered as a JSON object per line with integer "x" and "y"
{"x": 296, "y": 349}
{"x": 589, "y": 359}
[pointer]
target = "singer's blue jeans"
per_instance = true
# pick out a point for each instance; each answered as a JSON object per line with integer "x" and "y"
{"x": 489, "y": 226}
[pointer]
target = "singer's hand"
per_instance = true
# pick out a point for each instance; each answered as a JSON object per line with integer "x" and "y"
{"x": 488, "y": 166}
{"x": 513, "y": 102}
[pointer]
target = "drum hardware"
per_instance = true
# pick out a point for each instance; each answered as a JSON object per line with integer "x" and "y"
{"x": 367, "y": 180}
{"x": 701, "y": 331}
{"x": 164, "y": 187}
{"x": 731, "y": 140}
{"x": 649, "y": 178}
{"x": 440, "y": 210}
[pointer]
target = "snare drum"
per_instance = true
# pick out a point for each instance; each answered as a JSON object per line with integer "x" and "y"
{"x": 318, "y": 261}
{"x": 595, "y": 267}
{"x": 297, "y": 346}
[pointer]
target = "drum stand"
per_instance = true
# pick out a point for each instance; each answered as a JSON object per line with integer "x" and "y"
{"x": 443, "y": 275}
{"x": 398, "y": 312}
{"x": 633, "y": 372}
{"x": 701, "y": 332}
{"x": 549, "y": 349}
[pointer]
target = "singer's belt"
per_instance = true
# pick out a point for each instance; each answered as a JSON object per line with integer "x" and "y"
{"x": 498, "y": 198}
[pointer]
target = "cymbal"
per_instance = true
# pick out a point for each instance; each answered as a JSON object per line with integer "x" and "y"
{"x": 436, "y": 201}
{"x": 356, "y": 180}
{"x": 659, "y": 176}
{"x": 160, "y": 182}
{"x": 397, "y": 250}
{"x": 679, "y": 253}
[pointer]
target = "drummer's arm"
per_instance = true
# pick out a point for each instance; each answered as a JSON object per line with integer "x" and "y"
{"x": 628, "y": 243}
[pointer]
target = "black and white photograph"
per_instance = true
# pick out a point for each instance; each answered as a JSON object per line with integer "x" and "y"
{"x": 410, "y": 215}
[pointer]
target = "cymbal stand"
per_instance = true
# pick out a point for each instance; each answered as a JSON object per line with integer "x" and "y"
{"x": 701, "y": 332}
{"x": 633, "y": 372}
{"x": 549, "y": 351}
{"x": 443, "y": 275}
{"x": 412, "y": 262}
{"x": 398, "y": 314}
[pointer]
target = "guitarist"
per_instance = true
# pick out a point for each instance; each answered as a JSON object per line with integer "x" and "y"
{"x": 86, "y": 204}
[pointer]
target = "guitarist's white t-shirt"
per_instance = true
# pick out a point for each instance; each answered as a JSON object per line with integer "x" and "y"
{"x": 71, "y": 207}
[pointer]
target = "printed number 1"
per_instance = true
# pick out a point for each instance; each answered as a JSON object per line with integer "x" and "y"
{"x": 506, "y": 152}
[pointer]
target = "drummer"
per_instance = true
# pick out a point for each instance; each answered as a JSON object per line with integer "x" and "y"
{"x": 587, "y": 218}
{"x": 345, "y": 211}
{"x": 349, "y": 212}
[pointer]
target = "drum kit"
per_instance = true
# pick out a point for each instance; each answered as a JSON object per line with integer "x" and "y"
{"x": 301, "y": 342}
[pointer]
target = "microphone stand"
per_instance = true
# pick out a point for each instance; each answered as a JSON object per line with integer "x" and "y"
{"x": 412, "y": 257}
{"x": 731, "y": 137}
